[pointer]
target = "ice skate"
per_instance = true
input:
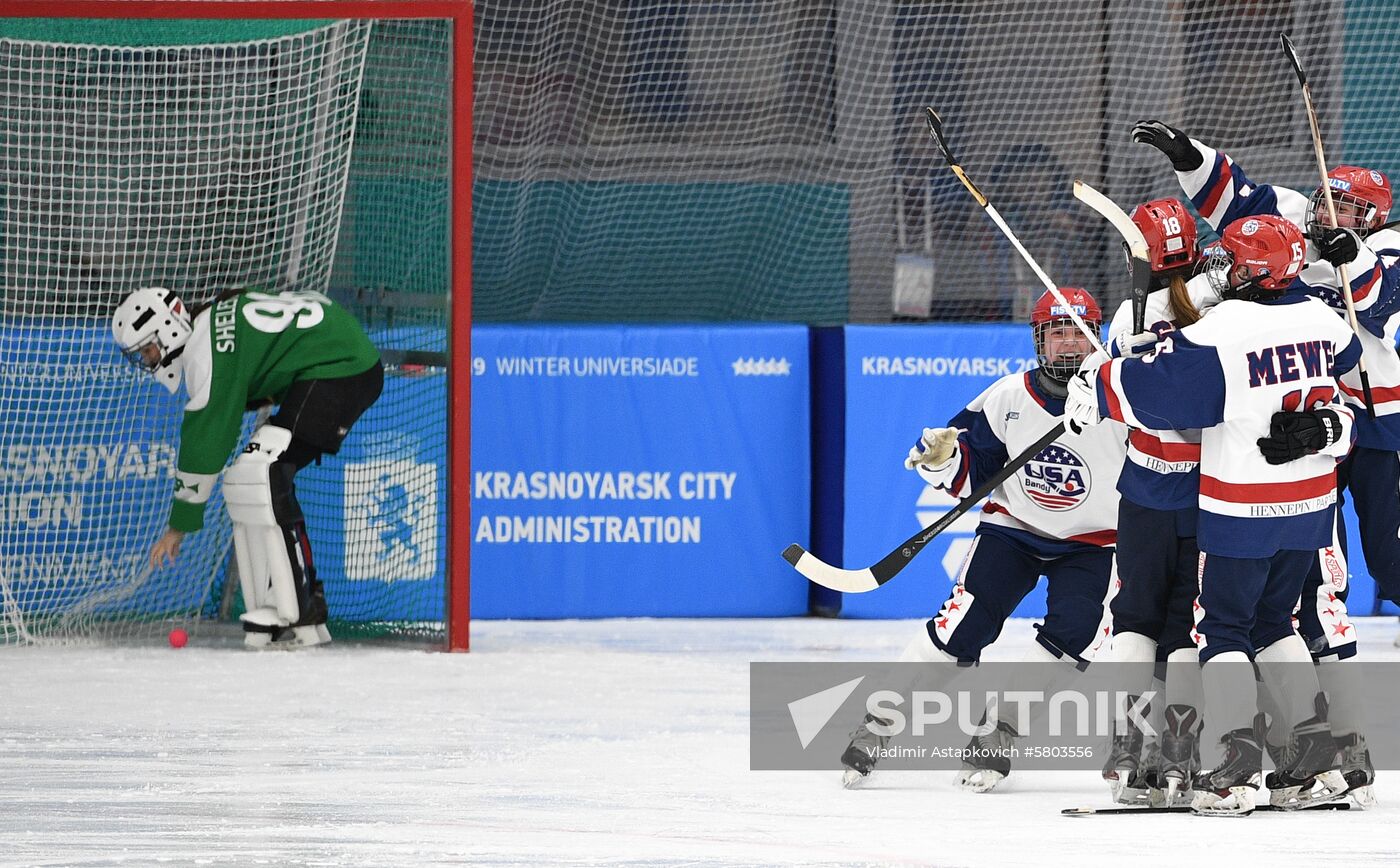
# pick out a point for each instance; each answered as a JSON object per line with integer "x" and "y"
{"x": 1229, "y": 789}
{"x": 862, "y": 753}
{"x": 1357, "y": 769}
{"x": 1310, "y": 772}
{"x": 1123, "y": 771}
{"x": 1180, "y": 756}
{"x": 988, "y": 760}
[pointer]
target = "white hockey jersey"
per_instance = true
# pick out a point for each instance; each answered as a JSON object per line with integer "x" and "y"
{"x": 1067, "y": 492}
{"x": 1222, "y": 193}
{"x": 1163, "y": 466}
{"x": 1227, "y": 375}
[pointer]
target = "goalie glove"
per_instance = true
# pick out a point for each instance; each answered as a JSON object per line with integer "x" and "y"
{"x": 1170, "y": 141}
{"x": 1134, "y": 346}
{"x": 1295, "y": 435}
{"x": 936, "y": 456}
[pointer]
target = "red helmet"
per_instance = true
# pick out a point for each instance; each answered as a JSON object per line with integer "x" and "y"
{"x": 1047, "y": 311}
{"x": 1170, "y": 231}
{"x": 1263, "y": 253}
{"x": 1362, "y": 197}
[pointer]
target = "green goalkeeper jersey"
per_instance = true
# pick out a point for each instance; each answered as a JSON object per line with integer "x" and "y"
{"x": 248, "y": 349}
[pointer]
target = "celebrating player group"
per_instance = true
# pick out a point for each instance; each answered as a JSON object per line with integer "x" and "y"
{"x": 1220, "y": 426}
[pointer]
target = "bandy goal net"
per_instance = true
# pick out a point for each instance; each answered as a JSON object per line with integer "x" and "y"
{"x": 769, "y": 161}
{"x": 281, "y": 146}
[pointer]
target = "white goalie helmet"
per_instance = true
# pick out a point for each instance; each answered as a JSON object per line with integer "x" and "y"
{"x": 153, "y": 317}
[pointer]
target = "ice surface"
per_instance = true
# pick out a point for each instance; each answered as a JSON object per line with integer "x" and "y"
{"x": 552, "y": 742}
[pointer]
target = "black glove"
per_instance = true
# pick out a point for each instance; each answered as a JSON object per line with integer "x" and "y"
{"x": 1170, "y": 141}
{"x": 1294, "y": 435}
{"x": 1338, "y": 246}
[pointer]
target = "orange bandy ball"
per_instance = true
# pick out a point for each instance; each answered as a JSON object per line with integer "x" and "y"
{"x": 178, "y": 638}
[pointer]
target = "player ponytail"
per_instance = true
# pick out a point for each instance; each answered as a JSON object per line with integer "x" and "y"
{"x": 1183, "y": 311}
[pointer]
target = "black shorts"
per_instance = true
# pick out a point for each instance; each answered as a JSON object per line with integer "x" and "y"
{"x": 319, "y": 413}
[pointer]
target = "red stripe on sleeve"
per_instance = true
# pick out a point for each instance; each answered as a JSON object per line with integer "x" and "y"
{"x": 1110, "y": 397}
{"x": 1147, "y": 444}
{"x": 1381, "y": 394}
{"x": 1358, "y": 295}
{"x": 1216, "y": 192}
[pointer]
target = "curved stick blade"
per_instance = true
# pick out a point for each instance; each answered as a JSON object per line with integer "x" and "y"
{"x": 1109, "y": 210}
{"x": 935, "y": 128}
{"x": 1292, "y": 54}
{"x": 824, "y": 574}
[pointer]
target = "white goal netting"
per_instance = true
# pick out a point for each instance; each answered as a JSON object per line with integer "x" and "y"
{"x": 224, "y": 161}
{"x": 737, "y": 160}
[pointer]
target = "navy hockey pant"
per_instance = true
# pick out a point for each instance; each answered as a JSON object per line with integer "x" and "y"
{"x": 1322, "y": 609}
{"x": 1372, "y": 477}
{"x": 1000, "y": 571}
{"x": 1247, "y": 603}
{"x": 1157, "y": 564}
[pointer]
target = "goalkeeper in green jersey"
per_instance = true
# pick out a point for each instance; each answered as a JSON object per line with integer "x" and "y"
{"x": 298, "y": 350}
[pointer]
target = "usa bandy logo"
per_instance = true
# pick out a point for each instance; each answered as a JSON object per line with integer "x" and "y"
{"x": 1056, "y": 479}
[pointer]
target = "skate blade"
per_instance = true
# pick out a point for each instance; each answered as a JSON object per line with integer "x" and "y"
{"x": 1363, "y": 796}
{"x": 1175, "y": 794}
{"x": 1324, "y": 788}
{"x": 1118, "y": 788}
{"x": 854, "y": 780}
{"x": 979, "y": 780}
{"x": 1178, "y": 791}
{"x": 1239, "y": 803}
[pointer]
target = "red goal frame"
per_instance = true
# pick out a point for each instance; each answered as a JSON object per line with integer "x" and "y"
{"x": 457, "y": 606}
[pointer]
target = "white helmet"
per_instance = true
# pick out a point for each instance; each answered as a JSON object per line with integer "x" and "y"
{"x": 153, "y": 317}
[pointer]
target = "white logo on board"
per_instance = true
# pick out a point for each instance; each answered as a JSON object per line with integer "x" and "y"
{"x": 754, "y": 367}
{"x": 390, "y": 521}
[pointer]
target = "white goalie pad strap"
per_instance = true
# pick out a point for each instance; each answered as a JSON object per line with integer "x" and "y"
{"x": 269, "y": 439}
{"x": 247, "y": 490}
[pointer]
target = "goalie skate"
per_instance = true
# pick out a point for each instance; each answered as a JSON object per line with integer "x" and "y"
{"x": 263, "y": 630}
{"x": 989, "y": 760}
{"x": 288, "y": 638}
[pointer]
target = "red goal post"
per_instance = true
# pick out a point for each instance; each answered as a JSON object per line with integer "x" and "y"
{"x": 458, "y": 411}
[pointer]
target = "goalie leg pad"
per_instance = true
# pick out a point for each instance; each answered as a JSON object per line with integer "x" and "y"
{"x": 311, "y": 601}
{"x": 259, "y": 500}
